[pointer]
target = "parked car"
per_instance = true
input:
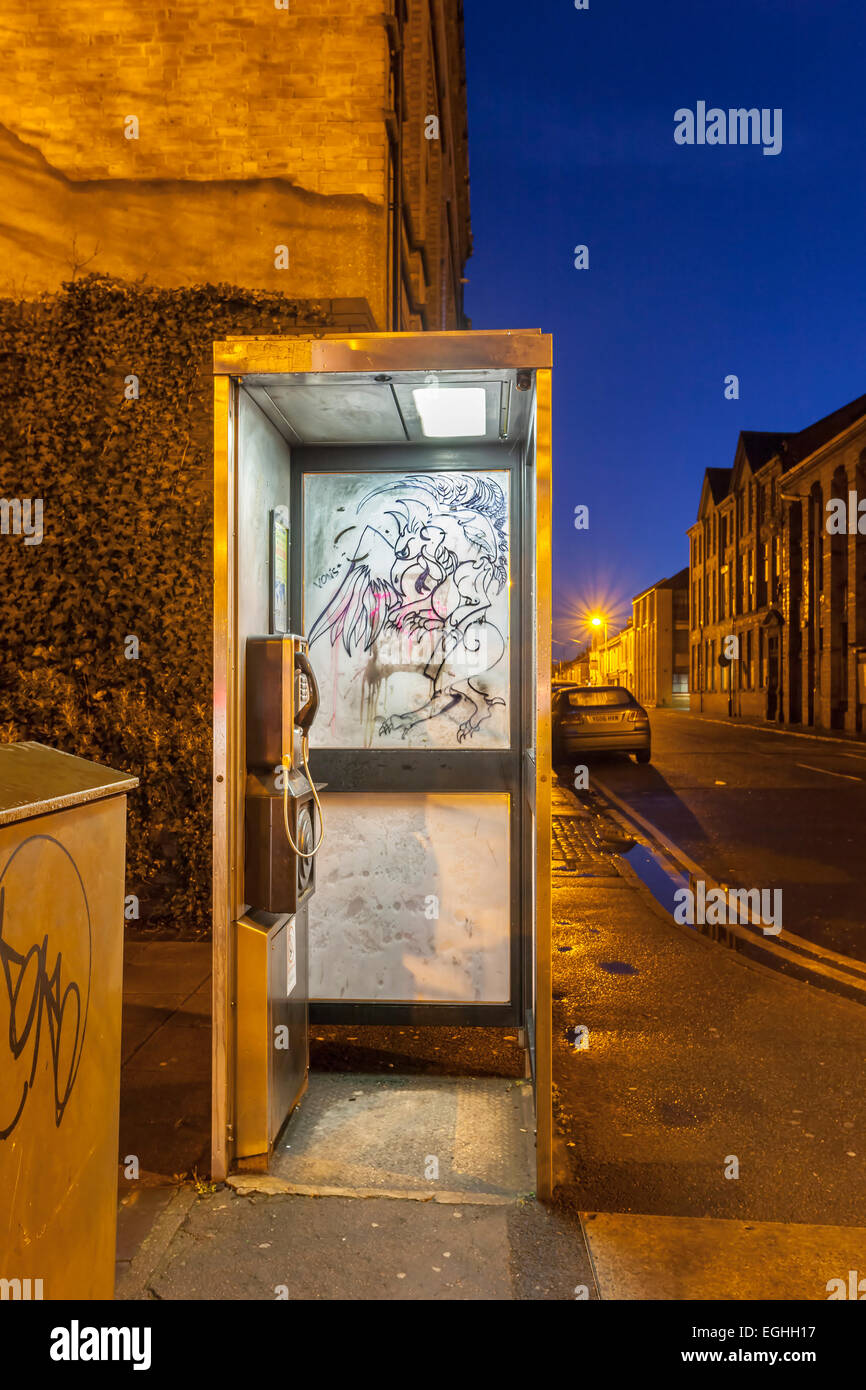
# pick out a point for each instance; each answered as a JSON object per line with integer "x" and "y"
{"x": 599, "y": 719}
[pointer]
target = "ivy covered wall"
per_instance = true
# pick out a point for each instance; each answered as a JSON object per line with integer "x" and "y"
{"x": 125, "y": 563}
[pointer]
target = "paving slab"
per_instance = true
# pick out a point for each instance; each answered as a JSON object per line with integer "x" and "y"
{"x": 166, "y": 1057}
{"x": 165, "y": 967}
{"x": 668, "y": 1257}
{"x": 141, "y": 1019}
{"x": 232, "y": 1247}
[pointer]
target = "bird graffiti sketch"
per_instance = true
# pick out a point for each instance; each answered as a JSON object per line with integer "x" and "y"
{"x": 425, "y": 572}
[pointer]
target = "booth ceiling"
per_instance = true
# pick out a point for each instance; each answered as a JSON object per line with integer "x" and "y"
{"x": 343, "y": 408}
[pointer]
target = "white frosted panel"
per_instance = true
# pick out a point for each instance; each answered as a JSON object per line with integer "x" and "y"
{"x": 263, "y": 483}
{"x": 406, "y": 608}
{"x": 412, "y": 899}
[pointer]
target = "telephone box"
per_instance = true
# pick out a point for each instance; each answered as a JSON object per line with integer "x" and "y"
{"x": 382, "y": 520}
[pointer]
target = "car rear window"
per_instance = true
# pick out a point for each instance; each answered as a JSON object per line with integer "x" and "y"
{"x": 584, "y": 699}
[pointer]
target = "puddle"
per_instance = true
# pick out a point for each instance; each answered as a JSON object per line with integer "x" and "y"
{"x": 661, "y": 881}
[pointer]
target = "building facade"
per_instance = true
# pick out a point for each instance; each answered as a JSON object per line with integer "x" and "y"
{"x": 577, "y": 669}
{"x": 314, "y": 149}
{"x": 650, "y": 655}
{"x": 612, "y": 662}
{"x": 777, "y": 578}
{"x": 661, "y": 643}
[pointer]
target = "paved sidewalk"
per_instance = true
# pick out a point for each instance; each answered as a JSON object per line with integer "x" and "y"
{"x": 798, "y": 730}
{"x": 166, "y": 1056}
{"x": 381, "y": 1101}
{"x": 679, "y": 1258}
{"x": 379, "y": 1249}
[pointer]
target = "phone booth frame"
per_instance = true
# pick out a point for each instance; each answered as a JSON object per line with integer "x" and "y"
{"x": 237, "y": 362}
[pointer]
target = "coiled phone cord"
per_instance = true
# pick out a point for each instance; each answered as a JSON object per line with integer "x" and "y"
{"x": 287, "y": 762}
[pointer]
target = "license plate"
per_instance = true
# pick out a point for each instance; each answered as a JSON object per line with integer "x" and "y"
{"x": 605, "y": 718}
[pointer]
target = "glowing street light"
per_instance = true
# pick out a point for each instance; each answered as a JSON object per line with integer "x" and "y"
{"x": 598, "y": 620}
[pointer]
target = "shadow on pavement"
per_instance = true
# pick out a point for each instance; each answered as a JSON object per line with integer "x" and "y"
{"x": 643, "y": 787}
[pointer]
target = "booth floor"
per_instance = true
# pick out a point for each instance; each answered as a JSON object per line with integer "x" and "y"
{"x": 405, "y": 1135}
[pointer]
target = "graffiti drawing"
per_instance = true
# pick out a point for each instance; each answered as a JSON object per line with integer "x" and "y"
{"x": 42, "y": 1007}
{"x": 407, "y": 599}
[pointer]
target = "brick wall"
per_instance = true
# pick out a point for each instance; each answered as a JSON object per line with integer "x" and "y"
{"x": 232, "y": 89}
{"x": 258, "y": 128}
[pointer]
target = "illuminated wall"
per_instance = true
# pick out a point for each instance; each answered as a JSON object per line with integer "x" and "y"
{"x": 248, "y": 143}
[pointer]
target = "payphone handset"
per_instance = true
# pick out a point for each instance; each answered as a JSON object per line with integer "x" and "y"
{"x": 302, "y": 720}
{"x": 282, "y": 699}
{"x": 304, "y": 716}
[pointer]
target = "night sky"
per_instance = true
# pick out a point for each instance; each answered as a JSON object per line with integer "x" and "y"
{"x": 703, "y": 260}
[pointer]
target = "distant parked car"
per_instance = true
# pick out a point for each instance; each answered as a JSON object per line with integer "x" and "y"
{"x": 599, "y": 719}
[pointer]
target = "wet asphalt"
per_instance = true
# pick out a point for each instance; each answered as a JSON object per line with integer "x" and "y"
{"x": 760, "y": 809}
{"x": 708, "y": 1086}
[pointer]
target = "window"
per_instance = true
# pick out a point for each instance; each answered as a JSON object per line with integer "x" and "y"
{"x": 584, "y": 699}
{"x": 680, "y": 683}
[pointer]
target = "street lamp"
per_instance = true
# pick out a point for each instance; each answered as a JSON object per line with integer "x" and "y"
{"x": 598, "y": 620}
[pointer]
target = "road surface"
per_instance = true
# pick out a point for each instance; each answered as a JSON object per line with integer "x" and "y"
{"x": 759, "y": 809}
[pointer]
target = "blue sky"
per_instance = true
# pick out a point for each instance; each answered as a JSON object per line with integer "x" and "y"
{"x": 704, "y": 260}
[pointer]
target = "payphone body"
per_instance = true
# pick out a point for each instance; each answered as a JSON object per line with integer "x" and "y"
{"x": 281, "y": 831}
{"x": 281, "y": 699}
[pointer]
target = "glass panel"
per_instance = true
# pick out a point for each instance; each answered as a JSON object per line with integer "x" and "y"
{"x": 406, "y": 588}
{"x": 412, "y": 899}
{"x": 583, "y": 699}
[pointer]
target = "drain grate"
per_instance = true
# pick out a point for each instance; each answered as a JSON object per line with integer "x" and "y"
{"x": 576, "y": 849}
